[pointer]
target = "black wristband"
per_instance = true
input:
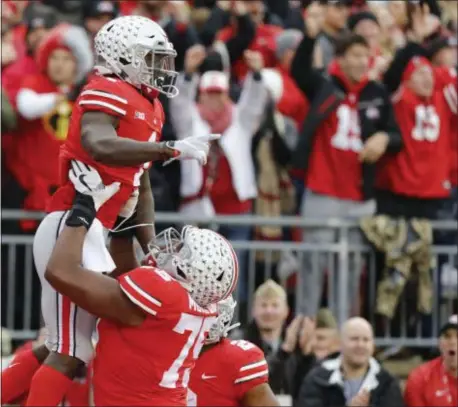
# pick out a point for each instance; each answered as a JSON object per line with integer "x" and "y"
{"x": 83, "y": 211}
{"x": 129, "y": 223}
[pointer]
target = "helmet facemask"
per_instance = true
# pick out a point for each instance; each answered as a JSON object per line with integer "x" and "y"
{"x": 156, "y": 69}
{"x": 222, "y": 326}
{"x": 168, "y": 249}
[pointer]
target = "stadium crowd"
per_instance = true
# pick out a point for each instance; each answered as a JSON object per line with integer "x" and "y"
{"x": 344, "y": 108}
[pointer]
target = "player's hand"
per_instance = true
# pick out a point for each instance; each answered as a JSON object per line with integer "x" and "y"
{"x": 192, "y": 148}
{"x": 292, "y": 334}
{"x": 87, "y": 181}
{"x": 374, "y": 147}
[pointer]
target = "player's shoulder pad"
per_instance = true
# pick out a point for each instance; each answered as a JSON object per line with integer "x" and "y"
{"x": 108, "y": 95}
{"x": 249, "y": 362}
{"x": 146, "y": 287}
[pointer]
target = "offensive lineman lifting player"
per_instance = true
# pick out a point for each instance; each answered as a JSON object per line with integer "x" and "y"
{"x": 154, "y": 319}
{"x": 115, "y": 127}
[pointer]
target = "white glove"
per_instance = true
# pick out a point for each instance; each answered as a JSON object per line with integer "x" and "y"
{"x": 87, "y": 181}
{"x": 193, "y": 148}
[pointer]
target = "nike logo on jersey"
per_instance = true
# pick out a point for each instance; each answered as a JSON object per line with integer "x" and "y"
{"x": 205, "y": 377}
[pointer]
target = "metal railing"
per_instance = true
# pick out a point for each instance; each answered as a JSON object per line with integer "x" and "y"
{"x": 262, "y": 258}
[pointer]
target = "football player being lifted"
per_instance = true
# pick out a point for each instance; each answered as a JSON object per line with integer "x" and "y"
{"x": 153, "y": 319}
{"x": 115, "y": 128}
{"x": 229, "y": 372}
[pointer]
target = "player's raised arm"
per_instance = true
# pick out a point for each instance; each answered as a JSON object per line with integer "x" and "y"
{"x": 95, "y": 292}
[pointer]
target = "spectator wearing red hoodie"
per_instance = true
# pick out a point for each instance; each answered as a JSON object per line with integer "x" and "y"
{"x": 435, "y": 383}
{"x": 38, "y": 23}
{"x": 42, "y": 102}
{"x": 263, "y": 42}
{"x": 349, "y": 127}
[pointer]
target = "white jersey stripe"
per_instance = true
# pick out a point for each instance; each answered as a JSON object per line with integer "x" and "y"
{"x": 138, "y": 303}
{"x": 104, "y": 104}
{"x": 144, "y": 294}
{"x": 104, "y": 95}
{"x": 253, "y": 365}
{"x": 252, "y": 376}
{"x": 451, "y": 98}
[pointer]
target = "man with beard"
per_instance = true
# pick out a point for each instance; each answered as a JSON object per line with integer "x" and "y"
{"x": 435, "y": 383}
{"x": 354, "y": 378}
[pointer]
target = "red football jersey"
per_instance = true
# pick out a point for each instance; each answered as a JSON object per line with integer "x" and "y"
{"x": 149, "y": 365}
{"x": 139, "y": 119}
{"x": 225, "y": 372}
{"x": 422, "y": 168}
{"x": 334, "y": 166}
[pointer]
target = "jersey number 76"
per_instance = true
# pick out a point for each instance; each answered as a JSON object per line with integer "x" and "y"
{"x": 198, "y": 327}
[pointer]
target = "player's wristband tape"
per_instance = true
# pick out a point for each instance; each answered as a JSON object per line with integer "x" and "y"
{"x": 126, "y": 227}
{"x": 82, "y": 213}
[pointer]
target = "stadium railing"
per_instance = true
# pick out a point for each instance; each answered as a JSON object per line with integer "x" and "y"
{"x": 408, "y": 329}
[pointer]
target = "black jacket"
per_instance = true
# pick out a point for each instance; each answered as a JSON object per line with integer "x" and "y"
{"x": 325, "y": 93}
{"x": 304, "y": 365}
{"x": 278, "y": 361}
{"x": 323, "y": 387}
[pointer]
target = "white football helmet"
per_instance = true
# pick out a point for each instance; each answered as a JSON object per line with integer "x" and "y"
{"x": 201, "y": 260}
{"x": 137, "y": 50}
{"x": 222, "y": 326}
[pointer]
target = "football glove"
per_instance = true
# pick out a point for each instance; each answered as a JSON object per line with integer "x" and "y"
{"x": 192, "y": 148}
{"x": 90, "y": 195}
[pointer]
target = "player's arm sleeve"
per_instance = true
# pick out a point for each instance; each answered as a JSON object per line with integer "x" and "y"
{"x": 413, "y": 395}
{"x": 146, "y": 288}
{"x": 252, "y": 372}
{"x": 103, "y": 99}
{"x": 32, "y": 105}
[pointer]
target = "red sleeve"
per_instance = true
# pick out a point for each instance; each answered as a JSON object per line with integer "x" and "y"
{"x": 104, "y": 95}
{"x": 413, "y": 396}
{"x": 148, "y": 288}
{"x": 31, "y": 82}
{"x": 251, "y": 367}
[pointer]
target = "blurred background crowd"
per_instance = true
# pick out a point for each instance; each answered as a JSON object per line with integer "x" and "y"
{"x": 328, "y": 109}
